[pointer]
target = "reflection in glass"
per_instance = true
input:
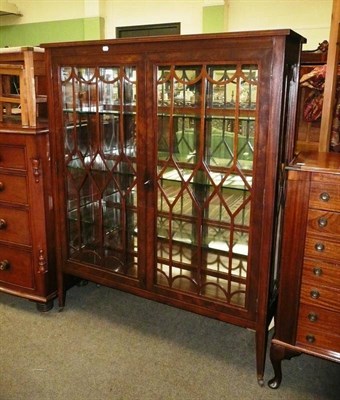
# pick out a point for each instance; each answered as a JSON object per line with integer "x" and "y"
{"x": 100, "y": 158}
{"x": 206, "y": 142}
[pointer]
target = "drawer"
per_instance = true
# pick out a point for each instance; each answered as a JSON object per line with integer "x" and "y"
{"x": 323, "y": 223}
{"x": 315, "y": 318}
{"x": 14, "y": 225}
{"x": 12, "y": 157}
{"x": 320, "y": 296}
{"x": 16, "y": 267}
{"x": 321, "y": 248}
{"x": 313, "y": 339}
{"x": 324, "y": 195}
{"x": 320, "y": 273}
{"x": 13, "y": 189}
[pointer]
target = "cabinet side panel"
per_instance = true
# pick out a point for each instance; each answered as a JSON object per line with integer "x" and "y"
{"x": 294, "y": 227}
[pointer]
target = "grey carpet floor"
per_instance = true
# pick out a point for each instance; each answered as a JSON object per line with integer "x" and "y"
{"x": 107, "y": 344}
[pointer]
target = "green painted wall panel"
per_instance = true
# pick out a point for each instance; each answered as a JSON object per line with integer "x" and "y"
{"x": 94, "y": 28}
{"x": 53, "y": 31}
{"x": 213, "y": 19}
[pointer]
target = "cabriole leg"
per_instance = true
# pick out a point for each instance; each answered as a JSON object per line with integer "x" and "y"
{"x": 277, "y": 354}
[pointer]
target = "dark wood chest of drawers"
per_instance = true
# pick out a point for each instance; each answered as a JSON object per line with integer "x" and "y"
{"x": 308, "y": 314}
{"x": 26, "y": 243}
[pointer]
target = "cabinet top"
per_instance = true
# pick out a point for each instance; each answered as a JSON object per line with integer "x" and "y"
{"x": 182, "y": 38}
{"x": 316, "y": 161}
{"x": 10, "y": 50}
{"x": 17, "y": 129}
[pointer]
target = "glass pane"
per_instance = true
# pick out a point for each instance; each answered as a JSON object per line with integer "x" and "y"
{"x": 206, "y": 137}
{"x": 220, "y": 141}
{"x": 222, "y": 86}
{"x": 100, "y": 159}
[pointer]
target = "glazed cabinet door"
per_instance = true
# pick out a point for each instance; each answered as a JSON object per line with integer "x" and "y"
{"x": 206, "y": 132}
{"x": 101, "y": 155}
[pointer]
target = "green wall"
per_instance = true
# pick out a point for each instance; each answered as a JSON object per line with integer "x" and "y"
{"x": 53, "y": 31}
{"x": 84, "y": 29}
{"x": 213, "y": 19}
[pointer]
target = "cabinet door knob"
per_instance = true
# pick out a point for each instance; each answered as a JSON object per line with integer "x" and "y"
{"x": 2, "y": 187}
{"x": 3, "y": 223}
{"x": 322, "y": 222}
{"x": 319, "y": 247}
{"x": 312, "y": 317}
{"x": 317, "y": 271}
{"x": 310, "y": 338}
{"x": 324, "y": 196}
{"x": 148, "y": 183}
{"x": 314, "y": 294}
{"x": 4, "y": 264}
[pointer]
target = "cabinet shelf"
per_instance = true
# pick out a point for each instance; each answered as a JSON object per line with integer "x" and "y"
{"x": 127, "y": 109}
{"x": 209, "y": 112}
{"x": 229, "y": 182}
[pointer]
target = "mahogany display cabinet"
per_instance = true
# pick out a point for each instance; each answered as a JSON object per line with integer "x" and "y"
{"x": 167, "y": 167}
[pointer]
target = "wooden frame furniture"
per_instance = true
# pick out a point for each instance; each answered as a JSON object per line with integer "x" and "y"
{"x": 308, "y": 132}
{"x": 168, "y": 176}
{"x": 27, "y": 261}
{"x": 331, "y": 79}
{"x": 308, "y": 313}
{"x": 26, "y": 216}
{"x": 7, "y": 99}
{"x": 27, "y": 63}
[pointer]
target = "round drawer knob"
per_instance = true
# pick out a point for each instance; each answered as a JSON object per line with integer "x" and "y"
{"x": 312, "y": 317}
{"x": 322, "y": 222}
{"x": 314, "y": 294}
{"x": 317, "y": 271}
{"x": 3, "y": 223}
{"x": 310, "y": 338}
{"x": 324, "y": 196}
{"x": 2, "y": 187}
{"x": 319, "y": 247}
{"x": 4, "y": 264}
